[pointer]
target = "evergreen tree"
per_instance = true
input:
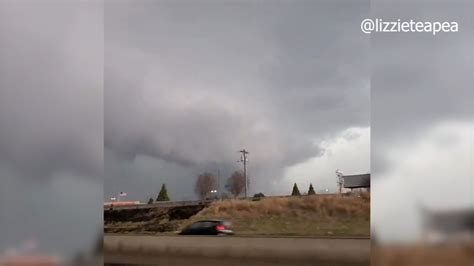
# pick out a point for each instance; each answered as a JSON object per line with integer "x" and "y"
{"x": 150, "y": 201}
{"x": 163, "y": 195}
{"x": 311, "y": 190}
{"x": 296, "y": 191}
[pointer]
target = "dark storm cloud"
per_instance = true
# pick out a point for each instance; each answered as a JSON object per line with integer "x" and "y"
{"x": 50, "y": 105}
{"x": 193, "y": 83}
{"x": 51, "y": 124}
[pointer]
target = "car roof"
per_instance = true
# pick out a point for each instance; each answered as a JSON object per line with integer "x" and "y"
{"x": 211, "y": 220}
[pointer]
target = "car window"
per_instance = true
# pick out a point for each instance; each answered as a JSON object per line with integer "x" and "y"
{"x": 194, "y": 226}
{"x": 207, "y": 224}
{"x": 198, "y": 225}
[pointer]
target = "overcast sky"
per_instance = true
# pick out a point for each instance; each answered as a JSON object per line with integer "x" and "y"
{"x": 188, "y": 85}
{"x": 422, "y": 118}
{"x": 51, "y": 120}
{"x": 185, "y": 86}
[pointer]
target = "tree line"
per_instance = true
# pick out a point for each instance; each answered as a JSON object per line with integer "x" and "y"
{"x": 296, "y": 191}
{"x": 205, "y": 186}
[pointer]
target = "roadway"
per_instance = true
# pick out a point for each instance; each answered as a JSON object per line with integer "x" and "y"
{"x": 258, "y": 251}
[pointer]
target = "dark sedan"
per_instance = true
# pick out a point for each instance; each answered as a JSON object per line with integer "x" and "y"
{"x": 208, "y": 227}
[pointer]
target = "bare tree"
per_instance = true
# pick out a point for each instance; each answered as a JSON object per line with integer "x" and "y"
{"x": 204, "y": 184}
{"x": 236, "y": 183}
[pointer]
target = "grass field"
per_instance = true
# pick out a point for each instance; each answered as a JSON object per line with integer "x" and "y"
{"x": 420, "y": 255}
{"x": 319, "y": 215}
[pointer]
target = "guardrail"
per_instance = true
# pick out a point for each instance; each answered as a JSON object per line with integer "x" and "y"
{"x": 166, "y": 204}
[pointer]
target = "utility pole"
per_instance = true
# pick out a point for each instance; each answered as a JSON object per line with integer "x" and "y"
{"x": 243, "y": 159}
{"x": 218, "y": 183}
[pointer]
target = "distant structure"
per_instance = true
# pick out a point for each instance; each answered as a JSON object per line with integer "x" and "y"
{"x": 447, "y": 225}
{"x": 360, "y": 182}
{"x": 340, "y": 180}
{"x": 120, "y": 203}
{"x": 29, "y": 261}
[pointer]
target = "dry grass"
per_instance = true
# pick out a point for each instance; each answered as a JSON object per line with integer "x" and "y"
{"x": 325, "y": 206}
{"x": 452, "y": 255}
{"x": 328, "y": 215}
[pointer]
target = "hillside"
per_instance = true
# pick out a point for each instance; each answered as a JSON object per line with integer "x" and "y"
{"x": 147, "y": 221}
{"x": 319, "y": 215}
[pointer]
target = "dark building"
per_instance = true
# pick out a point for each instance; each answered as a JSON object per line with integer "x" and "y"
{"x": 357, "y": 181}
{"x": 448, "y": 225}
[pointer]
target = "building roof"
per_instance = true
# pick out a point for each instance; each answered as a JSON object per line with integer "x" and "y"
{"x": 357, "y": 181}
